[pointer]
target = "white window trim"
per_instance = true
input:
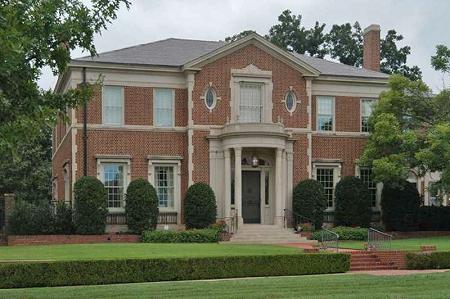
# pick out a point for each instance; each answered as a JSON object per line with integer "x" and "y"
{"x": 122, "y": 122}
{"x": 216, "y": 98}
{"x": 176, "y": 164}
{"x": 251, "y": 74}
{"x": 154, "y": 108}
{"x": 379, "y": 189}
{"x": 296, "y": 101}
{"x": 333, "y": 130}
{"x": 361, "y": 114}
{"x": 127, "y": 180}
{"x": 336, "y": 177}
{"x": 66, "y": 178}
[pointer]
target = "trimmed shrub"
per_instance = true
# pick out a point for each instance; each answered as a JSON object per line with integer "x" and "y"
{"x": 90, "y": 206}
{"x": 199, "y": 206}
{"x": 63, "y": 219}
{"x": 433, "y": 260}
{"x": 434, "y": 218}
{"x": 31, "y": 219}
{"x": 346, "y": 233}
{"x": 308, "y": 199}
{"x": 207, "y": 235}
{"x": 400, "y": 207}
{"x": 61, "y": 273}
{"x": 353, "y": 206}
{"x": 141, "y": 207}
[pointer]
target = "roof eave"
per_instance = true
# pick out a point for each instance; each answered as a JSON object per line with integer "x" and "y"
{"x": 125, "y": 66}
{"x": 353, "y": 79}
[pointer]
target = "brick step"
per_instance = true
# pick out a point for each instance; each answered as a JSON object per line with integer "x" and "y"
{"x": 372, "y": 268}
{"x": 367, "y": 264}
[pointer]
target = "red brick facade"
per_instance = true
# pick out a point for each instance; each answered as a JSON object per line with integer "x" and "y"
{"x": 137, "y": 138}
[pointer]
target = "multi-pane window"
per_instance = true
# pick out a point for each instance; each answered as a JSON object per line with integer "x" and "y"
{"x": 164, "y": 182}
{"x": 114, "y": 181}
{"x": 366, "y": 111}
{"x": 325, "y": 111}
{"x": 326, "y": 177}
{"x": 164, "y": 103}
{"x": 250, "y": 106}
{"x": 366, "y": 175}
{"x": 113, "y": 105}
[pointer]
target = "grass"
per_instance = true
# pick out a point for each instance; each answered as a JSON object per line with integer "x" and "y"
{"x": 134, "y": 250}
{"x": 442, "y": 243}
{"x": 317, "y": 286}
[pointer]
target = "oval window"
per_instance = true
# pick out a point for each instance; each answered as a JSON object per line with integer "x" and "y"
{"x": 290, "y": 101}
{"x": 210, "y": 98}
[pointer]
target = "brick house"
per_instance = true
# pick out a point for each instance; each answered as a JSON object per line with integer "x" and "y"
{"x": 245, "y": 116}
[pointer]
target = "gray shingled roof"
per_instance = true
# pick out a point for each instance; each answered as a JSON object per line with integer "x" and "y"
{"x": 175, "y": 52}
{"x": 167, "y": 52}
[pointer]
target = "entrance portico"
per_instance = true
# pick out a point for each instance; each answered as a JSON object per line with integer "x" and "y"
{"x": 250, "y": 171}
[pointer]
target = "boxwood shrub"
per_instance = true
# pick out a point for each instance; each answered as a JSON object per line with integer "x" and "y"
{"x": 207, "y": 235}
{"x": 433, "y": 260}
{"x": 308, "y": 199}
{"x": 400, "y": 207}
{"x": 200, "y": 207}
{"x": 90, "y": 206}
{"x": 65, "y": 273}
{"x": 31, "y": 218}
{"x": 141, "y": 207}
{"x": 434, "y": 218}
{"x": 353, "y": 206}
{"x": 346, "y": 233}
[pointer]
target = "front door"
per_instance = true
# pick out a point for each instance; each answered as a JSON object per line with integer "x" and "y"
{"x": 251, "y": 196}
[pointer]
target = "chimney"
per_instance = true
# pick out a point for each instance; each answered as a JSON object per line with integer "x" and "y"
{"x": 371, "y": 52}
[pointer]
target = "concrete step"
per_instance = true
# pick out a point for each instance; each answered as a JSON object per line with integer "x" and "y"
{"x": 266, "y": 234}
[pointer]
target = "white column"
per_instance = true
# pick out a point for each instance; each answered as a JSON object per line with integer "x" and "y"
{"x": 290, "y": 175}
{"x": 190, "y": 78}
{"x": 227, "y": 189}
{"x": 237, "y": 182}
{"x": 278, "y": 188}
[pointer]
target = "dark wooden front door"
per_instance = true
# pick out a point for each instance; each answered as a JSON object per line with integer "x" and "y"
{"x": 251, "y": 196}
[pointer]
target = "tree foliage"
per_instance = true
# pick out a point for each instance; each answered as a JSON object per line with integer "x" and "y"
{"x": 441, "y": 61}
{"x": 344, "y": 42}
{"x": 34, "y": 34}
{"x": 410, "y": 130}
{"x": 27, "y": 172}
{"x": 240, "y": 35}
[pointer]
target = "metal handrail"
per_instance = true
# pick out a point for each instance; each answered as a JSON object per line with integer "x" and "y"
{"x": 291, "y": 215}
{"x": 377, "y": 240}
{"x": 325, "y": 241}
{"x": 233, "y": 223}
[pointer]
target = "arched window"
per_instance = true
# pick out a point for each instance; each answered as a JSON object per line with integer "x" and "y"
{"x": 290, "y": 101}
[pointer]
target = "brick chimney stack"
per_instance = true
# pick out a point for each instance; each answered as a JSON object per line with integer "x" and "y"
{"x": 371, "y": 52}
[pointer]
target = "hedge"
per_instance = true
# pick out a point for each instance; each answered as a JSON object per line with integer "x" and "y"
{"x": 346, "y": 233}
{"x": 434, "y": 218}
{"x": 433, "y": 260}
{"x": 65, "y": 273}
{"x": 207, "y": 235}
{"x": 200, "y": 207}
{"x": 141, "y": 207}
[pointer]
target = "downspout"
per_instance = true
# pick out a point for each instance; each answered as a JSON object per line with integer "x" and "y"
{"x": 85, "y": 162}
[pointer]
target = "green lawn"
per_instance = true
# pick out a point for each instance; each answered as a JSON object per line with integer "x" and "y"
{"x": 442, "y": 243}
{"x": 134, "y": 250}
{"x": 317, "y": 286}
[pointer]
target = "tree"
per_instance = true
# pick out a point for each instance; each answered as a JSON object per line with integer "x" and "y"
{"x": 345, "y": 43}
{"x": 28, "y": 172}
{"x": 235, "y": 37}
{"x": 441, "y": 61}
{"x": 315, "y": 41}
{"x": 410, "y": 131}
{"x": 289, "y": 34}
{"x": 34, "y": 34}
{"x": 393, "y": 59}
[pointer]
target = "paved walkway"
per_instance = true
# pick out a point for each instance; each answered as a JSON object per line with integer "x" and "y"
{"x": 397, "y": 272}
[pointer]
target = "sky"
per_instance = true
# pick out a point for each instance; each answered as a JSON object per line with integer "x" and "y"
{"x": 423, "y": 23}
